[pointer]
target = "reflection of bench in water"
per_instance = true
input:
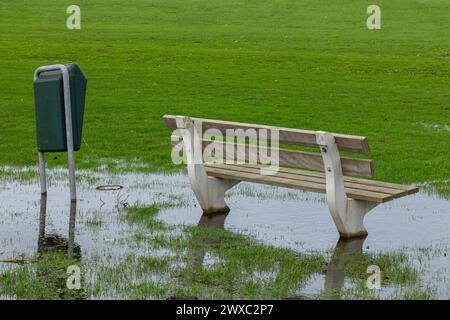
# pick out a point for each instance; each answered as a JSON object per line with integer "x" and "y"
{"x": 201, "y": 243}
{"x": 56, "y": 242}
{"x": 345, "y": 252}
{"x": 349, "y": 198}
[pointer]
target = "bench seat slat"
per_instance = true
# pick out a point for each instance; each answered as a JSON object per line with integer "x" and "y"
{"x": 299, "y": 180}
{"x": 294, "y": 184}
{"x": 396, "y": 193}
{"x": 393, "y": 188}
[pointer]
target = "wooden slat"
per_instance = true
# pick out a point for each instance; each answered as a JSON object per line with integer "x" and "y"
{"x": 275, "y": 180}
{"x": 286, "y": 135}
{"x": 357, "y": 184}
{"x": 290, "y": 158}
{"x": 401, "y": 188}
{"x": 377, "y": 183}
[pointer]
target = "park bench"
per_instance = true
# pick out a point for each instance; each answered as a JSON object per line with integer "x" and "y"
{"x": 349, "y": 196}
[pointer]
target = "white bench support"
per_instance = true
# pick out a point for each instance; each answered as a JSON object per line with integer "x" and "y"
{"x": 209, "y": 191}
{"x": 348, "y": 214}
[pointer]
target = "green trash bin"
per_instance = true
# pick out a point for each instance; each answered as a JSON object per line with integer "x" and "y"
{"x": 50, "y": 111}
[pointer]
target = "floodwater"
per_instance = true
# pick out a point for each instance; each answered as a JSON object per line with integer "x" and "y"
{"x": 276, "y": 216}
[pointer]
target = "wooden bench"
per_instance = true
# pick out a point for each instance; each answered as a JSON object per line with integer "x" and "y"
{"x": 349, "y": 198}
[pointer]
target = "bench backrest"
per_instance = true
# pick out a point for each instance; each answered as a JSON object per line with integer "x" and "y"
{"x": 292, "y": 158}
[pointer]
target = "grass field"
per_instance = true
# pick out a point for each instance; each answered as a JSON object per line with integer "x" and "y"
{"x": 302, "y": 64}
{"x": 309, "y": 64}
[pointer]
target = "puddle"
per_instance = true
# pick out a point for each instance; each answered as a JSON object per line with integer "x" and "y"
{"x": 94, "y": 228}
{"x": 435, "y": 126}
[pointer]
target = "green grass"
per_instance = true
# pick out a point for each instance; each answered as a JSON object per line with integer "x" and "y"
{"x": 394, "y": 266}
{"x": 93, "y": 223}
{"x": 214, "y": 263}
{"x": 44, "y": 278}
{"x": 302, "y": 64}
{"x": 206, "y": 262}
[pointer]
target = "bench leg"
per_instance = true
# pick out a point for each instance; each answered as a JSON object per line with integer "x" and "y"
{"x": 350, "y": 222}
{"x": 209, "y": 191}
{"x": 348, "y": 214}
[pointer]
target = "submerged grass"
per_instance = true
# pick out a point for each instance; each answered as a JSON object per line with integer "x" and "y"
{"x": 394, "y": 266}
{"x": 18, "y": 174}
{"x": 94, "y": 223}
{"x": 439, "y": 187}
{"x": 213, "y": 263}
{"x": 205, "y": 261}
{"x": 44, "y": 278}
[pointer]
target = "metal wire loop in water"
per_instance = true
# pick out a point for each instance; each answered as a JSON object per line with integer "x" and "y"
{"x": 109, "y": 187}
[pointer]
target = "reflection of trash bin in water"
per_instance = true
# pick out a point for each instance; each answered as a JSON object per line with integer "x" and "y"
{"x": 56, "y": 242}
{"x": 55, "y": 275}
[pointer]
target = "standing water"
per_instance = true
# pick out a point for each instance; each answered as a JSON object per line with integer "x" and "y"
{"x": 94, "y": 228}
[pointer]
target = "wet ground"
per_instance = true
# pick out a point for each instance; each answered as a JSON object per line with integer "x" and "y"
{"x": 93, "y": 228}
